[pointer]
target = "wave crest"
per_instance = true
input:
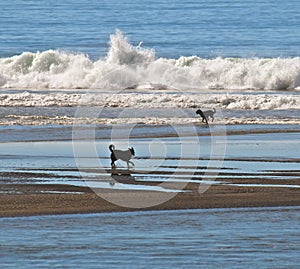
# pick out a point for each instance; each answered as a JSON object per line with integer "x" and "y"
{"x": 122, "y": 52}
{"x": 126, "y": 65}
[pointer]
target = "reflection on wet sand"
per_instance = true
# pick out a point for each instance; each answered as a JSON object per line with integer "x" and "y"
{"x": 252, "y": 173}
{"x": 121, "y": 176}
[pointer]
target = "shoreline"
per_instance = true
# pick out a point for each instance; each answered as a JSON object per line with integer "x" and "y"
{"x": 31, "y": 198}
{"x": 64, "y": 199}
{"x": 56, "y": 133}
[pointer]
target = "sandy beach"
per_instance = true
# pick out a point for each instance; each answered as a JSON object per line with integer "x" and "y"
{"x": 63, "y": 199}
{"x": 49, "y": 177}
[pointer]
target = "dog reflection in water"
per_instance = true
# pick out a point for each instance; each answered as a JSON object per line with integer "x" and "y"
{"x": 124, "y": 155}
{"x": 121, "y": 176}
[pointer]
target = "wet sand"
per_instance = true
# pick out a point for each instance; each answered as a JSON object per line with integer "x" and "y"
{"x": 27, "y": 200}
{"x": 40, "y": 178}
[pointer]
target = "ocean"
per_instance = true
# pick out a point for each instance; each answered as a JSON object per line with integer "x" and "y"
{"x": 231, "y": 56}
{"x": 217, "y": 238}
{"x": 114, "y": 45}
{"x": 207, "y": 29}
{"x": 78, "y": 75}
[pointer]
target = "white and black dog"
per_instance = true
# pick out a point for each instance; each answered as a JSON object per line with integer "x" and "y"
{"x": 205, "y": 115}
{"x": 124, "y": 155}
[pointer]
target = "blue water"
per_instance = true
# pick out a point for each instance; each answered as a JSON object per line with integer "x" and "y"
{"x": 76, "y": 45}
{"x": 224, "y": 238}
{"x": 62, "y": 31}
{"x": 245, "y": 157}
{"x": 267, "y": 28}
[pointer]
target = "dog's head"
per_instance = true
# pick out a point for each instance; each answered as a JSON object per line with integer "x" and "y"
{"x": 132, "y": 151}
{"x": 199, "y": 111}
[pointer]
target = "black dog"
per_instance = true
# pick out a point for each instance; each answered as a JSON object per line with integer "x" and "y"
{"x": 205, "y": 115}
{"x": 124, "y": 155}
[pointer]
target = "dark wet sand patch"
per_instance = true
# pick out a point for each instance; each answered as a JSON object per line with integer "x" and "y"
{"x": 44, "y": 199}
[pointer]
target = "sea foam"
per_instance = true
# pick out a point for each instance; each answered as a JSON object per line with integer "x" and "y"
{"x": 234, "y": 101}
{"x": 126, "y": 65}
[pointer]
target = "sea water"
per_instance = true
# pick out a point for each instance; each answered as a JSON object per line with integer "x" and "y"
{"x": 154, "y": 58}
{"x": 201, "y": 160}
{"x": 267, "y": 28}
{"x": 237, "y": 57}
{"x": 214, "y": 238}
{"x": 241, "y": 57}
{"x": 118, "y": 44}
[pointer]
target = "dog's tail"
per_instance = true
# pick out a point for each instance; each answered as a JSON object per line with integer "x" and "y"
{"x": 214, "y": 110}
{"x": 111, "y": 148}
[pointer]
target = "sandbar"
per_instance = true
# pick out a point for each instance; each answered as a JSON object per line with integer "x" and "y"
{"x": 35, "y": 199}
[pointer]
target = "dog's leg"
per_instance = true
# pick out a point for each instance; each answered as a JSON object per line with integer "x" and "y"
{"x": 113, "y": 159}
{"x": 131, "y": 163}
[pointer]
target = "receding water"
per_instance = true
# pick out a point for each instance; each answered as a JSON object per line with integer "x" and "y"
{"x": 214, "y": 238}
{"x": 253, "y": 156}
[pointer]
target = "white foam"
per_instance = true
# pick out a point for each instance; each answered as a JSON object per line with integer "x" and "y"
{"x": 269, "y": 101}
{"x": 126, "y": 65}
{"x": 64, "y": 120}
{"x": 243, "y": 101}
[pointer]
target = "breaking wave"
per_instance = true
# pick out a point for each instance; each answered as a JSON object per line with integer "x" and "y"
{"x": 126, "y": 65}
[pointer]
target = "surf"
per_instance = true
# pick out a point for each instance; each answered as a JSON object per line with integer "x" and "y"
{"x": 126, "y": 65}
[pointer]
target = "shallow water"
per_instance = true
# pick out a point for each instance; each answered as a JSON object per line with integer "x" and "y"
{"x": 223, "y": 238}
{"x": 204, "y": 160}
